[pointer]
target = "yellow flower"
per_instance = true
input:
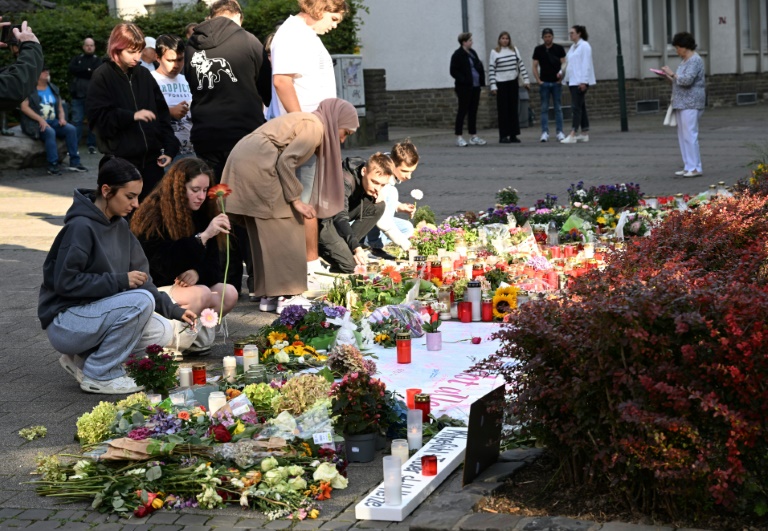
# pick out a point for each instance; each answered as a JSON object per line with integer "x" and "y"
{"x": 314, "y": 513}
{"x": 600, "y": 220}
{"x": 275, "y": 336}
{"x": 381, "y": 338}
{"x": 611, "y": 211}
{"x": 504, "y": 301}
{"x": 437, "y": 282}
{"x": 310, "y": 350}
{"x": 239, "y": 428}
{"x": 320, "y": 357}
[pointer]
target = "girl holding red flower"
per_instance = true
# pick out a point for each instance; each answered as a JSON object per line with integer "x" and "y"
{"x": 177, "y": 226}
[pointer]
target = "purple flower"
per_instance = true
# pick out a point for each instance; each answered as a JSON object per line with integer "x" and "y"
{"x": 292, "y": 315}
{"x": 334, "y": 311}
{"x": 139, "y": 433}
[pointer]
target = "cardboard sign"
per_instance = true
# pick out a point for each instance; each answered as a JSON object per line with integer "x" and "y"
{"x": 448, "y": 446}
{"x": 486, "y": 417}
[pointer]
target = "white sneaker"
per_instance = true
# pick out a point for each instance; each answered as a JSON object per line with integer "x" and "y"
{"x": 582, "y": 138}
{"x": 316, "y": 266}
{"x": 122, "y": 385}
{"x": 68, "y": 364}
{"x": 296, "y": 300}
{"x": 477, "y": 141}
{"x": 560, "y": 136}
{"x": 680, "y": 173}
{"x": 268, "y": 304}
{"x": 568, "y": 140}
{"x": 544, "y": 137}
{"x": 461, "y": 142}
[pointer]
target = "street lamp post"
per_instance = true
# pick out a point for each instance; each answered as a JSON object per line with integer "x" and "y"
{"x": 620, "y": 69}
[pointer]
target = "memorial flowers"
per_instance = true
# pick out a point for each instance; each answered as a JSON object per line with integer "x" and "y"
{"x": 220, "y": 192}
{"x": 156, "y": 371}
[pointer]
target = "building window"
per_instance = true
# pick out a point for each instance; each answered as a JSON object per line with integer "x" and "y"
{"x": 554, "y": 14}
{"x": 749, "y": 21}
{"x": 647, "y": 7}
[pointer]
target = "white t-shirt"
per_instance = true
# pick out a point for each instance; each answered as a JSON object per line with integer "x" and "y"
{"x": 175, "y": 90}
{"x": 298, "y": 51}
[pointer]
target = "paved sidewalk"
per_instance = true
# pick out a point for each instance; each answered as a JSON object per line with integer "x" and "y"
{"x": 34, "y": 390}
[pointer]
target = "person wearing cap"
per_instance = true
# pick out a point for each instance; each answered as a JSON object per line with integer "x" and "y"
{"x": 42, "y": 117}
{"x": 148, "y": 54}
{"x": 548, "y": 60}
{"x": 18, "y": 79}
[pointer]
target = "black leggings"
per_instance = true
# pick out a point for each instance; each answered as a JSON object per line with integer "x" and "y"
{"x": 507, "y": 102}
{"x": 579, "y": 108}
{"x": 469, "y": 99}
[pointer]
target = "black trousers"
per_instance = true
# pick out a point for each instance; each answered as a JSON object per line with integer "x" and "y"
{"x": 579, "y": 108}
{"x": 335, "y": 250}
{"x": 151, "y": 174}
{"x": 507, "y": 105}
{"x": 239, "y": 248}
{"x": 469, "y": 100}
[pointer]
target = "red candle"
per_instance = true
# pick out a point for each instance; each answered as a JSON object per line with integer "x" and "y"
{"x": 465, "y": 312}
{"x": 486, "y": 312}
{"x": 421, "y": 402}
{"x": 429, "y": 465}
{"x": 403, "y": 341}
{"x": 552, "y": 278}
{"x": 198, "y": 374}
{"x": 478, "y": 270}
{"x": 437, "y": 270}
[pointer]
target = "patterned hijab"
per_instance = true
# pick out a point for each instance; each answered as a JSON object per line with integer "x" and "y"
{"x": 328, "y": 191}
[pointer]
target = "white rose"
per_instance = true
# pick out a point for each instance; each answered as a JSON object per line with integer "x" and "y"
{"x": 417, "y": 194}
{"x": 282, "y": 357}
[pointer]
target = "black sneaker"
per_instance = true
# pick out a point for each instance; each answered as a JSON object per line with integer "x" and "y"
{"x": 514, "y": 140}
{"x": 79, "y": 168}
{"x": 92, "y": 150}
{"x": 381, "y": 253}
{"x": 53, "y": 169}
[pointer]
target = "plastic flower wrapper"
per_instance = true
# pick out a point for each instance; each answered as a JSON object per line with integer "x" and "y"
{"x": 283, "y": 425}
{"x": 406, "y": 317}
{"x": 329, "y": 473}
{"x": 573, "y": 222}
{"x": 315, "y": 420}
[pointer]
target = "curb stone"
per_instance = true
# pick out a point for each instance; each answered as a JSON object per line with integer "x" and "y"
{"x": 557, "y": 523}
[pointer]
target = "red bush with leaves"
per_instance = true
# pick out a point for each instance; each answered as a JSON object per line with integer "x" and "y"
{"x": 652, "y": 378}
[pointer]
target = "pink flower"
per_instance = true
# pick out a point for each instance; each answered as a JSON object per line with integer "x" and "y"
{"x": 208, "y": 318}
{"x": 360, "y": 270}
{"x": 476, "y": 340}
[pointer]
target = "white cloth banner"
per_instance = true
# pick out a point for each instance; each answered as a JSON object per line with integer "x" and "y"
{"x": 442, "y": 374}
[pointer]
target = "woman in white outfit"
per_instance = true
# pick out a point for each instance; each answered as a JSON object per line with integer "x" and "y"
{"x": 579, "y": 76}
{"x": 688, "y": 100}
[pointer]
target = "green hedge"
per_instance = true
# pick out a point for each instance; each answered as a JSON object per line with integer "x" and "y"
{"x": 62, "y": 30}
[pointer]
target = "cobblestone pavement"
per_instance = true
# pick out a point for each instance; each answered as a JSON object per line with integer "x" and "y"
{"x": 34, "y": 390}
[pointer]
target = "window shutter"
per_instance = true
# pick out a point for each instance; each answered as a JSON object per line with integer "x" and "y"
{"x": 554, "y": 14}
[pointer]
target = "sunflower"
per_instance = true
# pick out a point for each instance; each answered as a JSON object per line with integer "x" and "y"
{"x": 275, "y": 336}
{"x": 504, "y": 301}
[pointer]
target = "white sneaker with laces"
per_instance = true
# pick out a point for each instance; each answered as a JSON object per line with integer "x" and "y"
{"x": 560, "y": 136}
{"x": 582, "y": 138}
{"x": 461, "y": 142}
{"x": 268, "y": 304}
{"x": 568, "y": 140}
{"x": 544, "y": 137}
{"x": 477, "y": 141}
{"x": 680, "y": 173}
{"x": 296, "y": 300}
{"x": 68, "y": 364}
{"x": 121, "y": 385}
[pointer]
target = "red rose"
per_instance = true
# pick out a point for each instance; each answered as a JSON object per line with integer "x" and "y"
{"x": 221, "y": 433}
{"x": 140, "y": 511}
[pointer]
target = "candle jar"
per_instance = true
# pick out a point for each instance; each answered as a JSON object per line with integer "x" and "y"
{"x": 478, "y": 270}
{"x": 403, "y": 341}
{"x": 415, "y": 426}
{"x": 216, "y": 401}
{"x": 255, "y": 374}
{"x": 239, "y": 346}
{"x": 392, "y": 480}
{"x": 487, "y": 310}
{"x": 422, "y": 403}
{"x": 465, "y": 311}
{"x": 429, "y": 465}
{"x": 474, "y": 295}
{"x": 468, "y": 264}
{"x": 198, "y": 374}
{"x": 522, "y": 297}
{"x": 250, "y": 356}
{"x": 444, "y": 300}
{"x": 230, "y": 368}
{"x": 185, "y": 376}
{"x": 446, "y": 263}
{"x": 154, "y": 398}
{"x": 400, "y": 449}
{"x": 421, "y": 266}
{"x": 436, "y": 270}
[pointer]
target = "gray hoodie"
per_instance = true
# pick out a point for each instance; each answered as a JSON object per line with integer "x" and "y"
{"x": 90, "y": 260}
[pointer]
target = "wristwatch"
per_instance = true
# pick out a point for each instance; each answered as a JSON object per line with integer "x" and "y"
{"x": 199, "y": 239}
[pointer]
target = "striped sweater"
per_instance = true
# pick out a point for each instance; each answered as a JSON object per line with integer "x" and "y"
{"x": 505, "y": 65}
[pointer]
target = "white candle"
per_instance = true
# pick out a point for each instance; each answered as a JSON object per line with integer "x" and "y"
{"x": 400, "y": 449}
{"x": 250, "y": 356}
{"x": 230, "y": 368}
{"x": 185, "y": 376}
{"x": 216, "y": 401}
{"x": 392, "y": 480}
{"x": 414, "y": 429}
{"x": 154, "y": 398}
{"x": 412, "y": 253}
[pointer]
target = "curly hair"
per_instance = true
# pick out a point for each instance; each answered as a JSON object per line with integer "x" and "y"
{"x": 166, "y": 210}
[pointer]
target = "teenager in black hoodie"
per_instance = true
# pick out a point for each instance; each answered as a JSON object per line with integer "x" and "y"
{"x": 97, "y": 299}
{"x": 127, "y": 110}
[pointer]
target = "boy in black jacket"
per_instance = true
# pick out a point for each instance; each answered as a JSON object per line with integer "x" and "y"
{"x": 340, "y": 236}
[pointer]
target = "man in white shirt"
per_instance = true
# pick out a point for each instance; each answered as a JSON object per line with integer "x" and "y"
{"x": 302, "y": 74}
{"x": 175, "y": 89}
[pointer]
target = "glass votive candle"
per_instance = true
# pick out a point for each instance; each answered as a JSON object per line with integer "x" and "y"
{"x": 392, "y": 480}
{"x": 429, "y": 465}
{"x": 465, "y": 312}
{"x": 185, "y": 376}
{"x": 415, "y": 427}
{"x": 454, "y": 310}
{"x": 487, "y": 309}
{"x": 250, "y": 356}
{"x": 230, "y": 368}
{"x": 403, "y": 344}
{"x": 198, "y": 374}
{"x": 216, "y": 401}
{"x": 154, "y": 398}
{"x": 410, "y": 395}
{"x": 400, "y": 449}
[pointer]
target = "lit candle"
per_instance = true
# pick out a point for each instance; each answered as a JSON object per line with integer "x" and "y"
{"x": 185, "y": 376}
{"x": 429, "y": 465}
{"x": 250, "y": 356}
{"x": 414, "y": 429}
{"x": 216, "y": 401}
{"x": 392, "y": 480}
{"x": 400, "y": 449}
{"x": 154, "y": 398}
{"x": 230, "y": 368}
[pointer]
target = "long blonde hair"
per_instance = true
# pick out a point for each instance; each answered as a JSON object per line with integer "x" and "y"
{"x": 498, "y": 42}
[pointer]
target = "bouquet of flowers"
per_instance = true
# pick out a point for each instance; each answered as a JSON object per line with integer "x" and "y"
{"x": 358, "y": 403}
{"x": 507, "y": 196}
{"x": 156, "y": 371}
{"x": 428, "y": 240}
{"x": 344, "y": 359}
{"x": 386, "y": 322}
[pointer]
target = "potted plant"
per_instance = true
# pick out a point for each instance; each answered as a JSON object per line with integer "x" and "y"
{"x": 434, "y": 336}
{"x": 358, "y": 403}
{"x": 156, "y": 371}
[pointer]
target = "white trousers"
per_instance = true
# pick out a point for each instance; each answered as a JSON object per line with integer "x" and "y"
{"x": 688, "y": 136}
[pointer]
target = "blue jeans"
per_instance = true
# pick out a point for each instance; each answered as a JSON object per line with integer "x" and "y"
{"x": 69, "y": 133}
{"x": 555, "y": 90}
{"x": 110, "y": 330}
{"x": 77, "y": 114}
{"x": 377, "y": 239}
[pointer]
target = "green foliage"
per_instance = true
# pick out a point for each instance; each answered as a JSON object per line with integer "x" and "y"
{"x": 172, "y": 22}
{"x": 424, "y": 213}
